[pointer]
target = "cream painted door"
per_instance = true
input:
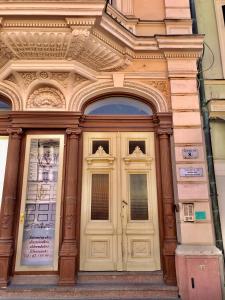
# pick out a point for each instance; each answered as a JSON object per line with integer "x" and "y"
{"x": 119, "y": 214}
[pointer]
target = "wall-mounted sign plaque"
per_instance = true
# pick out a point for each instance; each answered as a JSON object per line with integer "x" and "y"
{"x": 190, "y": 153}
{"x": 191, "y": 172}
{"x": 200, "y": 215}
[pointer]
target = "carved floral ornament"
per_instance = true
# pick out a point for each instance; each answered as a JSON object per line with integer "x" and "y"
{"x": 46, "y": 97}
{"x": 65, "y": 79}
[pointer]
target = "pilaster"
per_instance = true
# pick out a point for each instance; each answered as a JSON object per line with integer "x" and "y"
{"x": 194, "y": 221}
{"x": 9, "y": 205}
{"x": 68, "y": 252}
{"x": 169, "y": 224}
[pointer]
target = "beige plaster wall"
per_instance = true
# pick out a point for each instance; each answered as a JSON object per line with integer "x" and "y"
{"x": 149, "y": 10}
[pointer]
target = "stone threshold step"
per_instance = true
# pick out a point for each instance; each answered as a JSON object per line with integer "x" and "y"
{"x": 114, "y": 277}
{"x": 92, "y": 286}
{"x": 114, "y": 298}
{"x": 110, "y": 294}
{"x": 117, "y": 298}
{"x": 123, "y": 273}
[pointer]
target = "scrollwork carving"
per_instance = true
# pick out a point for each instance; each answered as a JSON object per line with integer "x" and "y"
{"x": 161, "y": 85}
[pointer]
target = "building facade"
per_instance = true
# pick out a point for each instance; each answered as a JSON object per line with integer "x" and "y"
{"x": 105, "y": 168}
{"x": 213, "y": 75}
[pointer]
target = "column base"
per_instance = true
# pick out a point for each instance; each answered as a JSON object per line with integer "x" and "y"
{"x": 6, "y": 252}
{"x": 68, "y": 261}
{"x": 169, "y": 262}
{"x": 199, "y": 272}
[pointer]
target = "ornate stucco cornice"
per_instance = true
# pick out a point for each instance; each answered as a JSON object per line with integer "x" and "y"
{"x": 69, "y": 39}
{"x": 97, "y": 42}
{"x": 125, "y": 36}
{"x": 181, "y": 46}
{"x": 52, "y": 7}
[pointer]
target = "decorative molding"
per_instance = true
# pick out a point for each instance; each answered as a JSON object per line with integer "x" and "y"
{"x": 46, "y": 97}
{"x": 12, "y": 94}
{"x": 52, "y": 8}
{"x": 80, "y": 21}
{"x": 183, "y": 54}
{"x": 65, "y": 79}
{"x": 106, "y": 86}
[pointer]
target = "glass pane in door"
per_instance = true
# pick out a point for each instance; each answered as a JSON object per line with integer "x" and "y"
{"x": 40, "y": 206}
{"x": 100, "y": 197}
{"x": 138, "y": 197}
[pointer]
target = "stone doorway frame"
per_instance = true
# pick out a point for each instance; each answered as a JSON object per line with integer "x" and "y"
{"x": 17, "y": 124}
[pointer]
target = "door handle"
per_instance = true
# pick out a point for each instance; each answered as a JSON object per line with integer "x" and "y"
{"x": 124, "y": 202}
{"x": 22, "y": 217}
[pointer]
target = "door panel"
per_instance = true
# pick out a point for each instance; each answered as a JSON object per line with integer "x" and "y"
{"x": 119, "y": 223}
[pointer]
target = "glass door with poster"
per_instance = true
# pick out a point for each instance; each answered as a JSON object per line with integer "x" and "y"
{"x": 38, "y": 238}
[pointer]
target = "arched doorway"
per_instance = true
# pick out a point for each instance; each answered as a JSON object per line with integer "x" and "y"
{"x": 122, "y": 209}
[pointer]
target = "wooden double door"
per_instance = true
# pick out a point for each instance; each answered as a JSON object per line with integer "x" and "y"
{"x": 119, "y": 213}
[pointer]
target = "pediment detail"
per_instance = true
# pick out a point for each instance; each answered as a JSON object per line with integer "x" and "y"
{"x": 137, "y": 156}
{"x": 100, "y": 156}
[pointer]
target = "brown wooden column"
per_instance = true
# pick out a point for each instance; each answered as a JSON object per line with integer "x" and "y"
{"x": 169, "y": 220}
{"x": 68, "y": 252}
{"x": 9, "y": 205}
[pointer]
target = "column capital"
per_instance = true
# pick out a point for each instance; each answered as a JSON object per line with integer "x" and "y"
{"x": 164, "y": 131}
{"x": 73, "y": 132}
{"x": 15, "y": 132}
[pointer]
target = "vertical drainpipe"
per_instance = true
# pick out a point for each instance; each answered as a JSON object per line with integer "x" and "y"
{"x": 207, "y": 134}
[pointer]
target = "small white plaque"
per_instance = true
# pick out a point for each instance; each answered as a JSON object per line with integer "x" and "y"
{"x": 190, "y": 153}
{"x": 191, "y": 172}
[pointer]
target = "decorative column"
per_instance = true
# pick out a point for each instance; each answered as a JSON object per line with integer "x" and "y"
{"x": 68, "y": 252}
{"x": 9, "y": 205}
{"x": 169, "y": 225}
